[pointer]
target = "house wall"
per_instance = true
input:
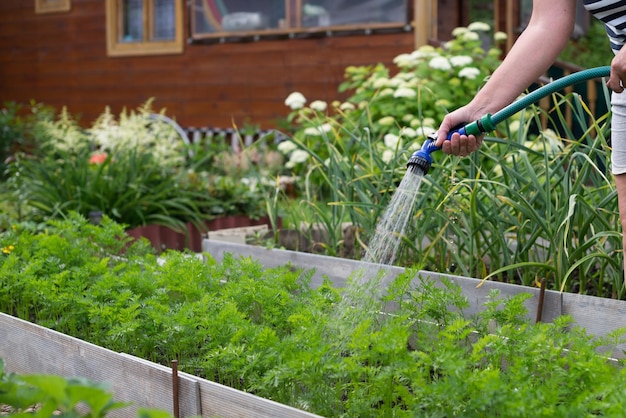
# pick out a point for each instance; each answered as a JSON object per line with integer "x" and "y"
{"x": 60, "y": 59}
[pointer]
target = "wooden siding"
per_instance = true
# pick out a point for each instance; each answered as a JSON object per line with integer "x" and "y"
{"x": 60, "y": 59}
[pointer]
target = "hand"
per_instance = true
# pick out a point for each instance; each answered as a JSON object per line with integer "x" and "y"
{"x": 617, "y": 78}
{"x": 461, "y": 145}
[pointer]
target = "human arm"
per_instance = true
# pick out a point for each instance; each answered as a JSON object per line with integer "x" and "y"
{"x": 550, "y": 26}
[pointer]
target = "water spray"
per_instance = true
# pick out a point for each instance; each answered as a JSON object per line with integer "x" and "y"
{"x": 421, "y": 160}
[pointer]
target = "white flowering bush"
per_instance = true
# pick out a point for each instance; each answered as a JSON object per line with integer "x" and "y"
{"x": 137, "y": 129}
{"x": 407, "y": 102}
{"x": 427, "y": 83}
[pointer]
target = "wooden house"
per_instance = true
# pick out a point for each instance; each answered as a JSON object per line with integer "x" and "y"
{"x": 209, "y": 62}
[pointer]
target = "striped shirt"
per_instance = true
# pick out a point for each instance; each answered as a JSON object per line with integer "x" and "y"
{"x": 613, "y": 14}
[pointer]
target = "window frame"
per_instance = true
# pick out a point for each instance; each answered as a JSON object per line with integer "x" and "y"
{"x": 293, "y": 29}
{"x": 52, "y": 6}
{"x": 114, "y": 26}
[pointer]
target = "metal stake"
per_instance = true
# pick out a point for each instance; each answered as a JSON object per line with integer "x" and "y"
{"x": 542, "y": 293}
{"x": 175, "y": 388}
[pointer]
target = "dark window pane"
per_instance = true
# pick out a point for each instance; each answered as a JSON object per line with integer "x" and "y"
{"x": 164, "y": 20}
{"x": 237, "y": 15}
{"x": 132, "y": 21}
{"x": 353, "y": 12}
{"x": 233, "y": 16}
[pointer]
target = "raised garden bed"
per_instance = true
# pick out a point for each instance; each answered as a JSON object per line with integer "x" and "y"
{"x": 599, "y": 316}
{"x": 139, "y": 382}
{"x": 45, "y": 351}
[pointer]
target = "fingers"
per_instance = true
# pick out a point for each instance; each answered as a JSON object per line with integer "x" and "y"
{"x": 462, "y": 145}
{"x": 442, "y": 134}
{"x": 618, "y": 72}
{"x": 615, "y": 84}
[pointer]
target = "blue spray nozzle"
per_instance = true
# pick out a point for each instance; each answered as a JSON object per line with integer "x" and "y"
{"x": 421, "y": 158}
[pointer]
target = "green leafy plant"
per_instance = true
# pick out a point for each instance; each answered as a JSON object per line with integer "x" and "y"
{"x": 350, "y": 156}
{"x": 590, "y": 50}
{"x": 233, "y": 182}
{"x": 535, "y": 202}
{"x": 528, "y": 207}
{"x": 18, "y": 128}
{"x": 131, "y": 171}
{"x": 51, "y": 395}
{"x": 268, "y": 332}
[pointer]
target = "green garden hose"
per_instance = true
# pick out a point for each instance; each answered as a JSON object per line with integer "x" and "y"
{"x": 422, "y": 160}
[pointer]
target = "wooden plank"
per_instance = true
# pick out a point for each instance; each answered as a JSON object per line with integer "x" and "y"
{"x": 599, "y": 317}
{"x": 27, "y": 348}
{"x": 31, "y": 349}
{"x": 338, "y": 270}
{"x": 225, "y": 402}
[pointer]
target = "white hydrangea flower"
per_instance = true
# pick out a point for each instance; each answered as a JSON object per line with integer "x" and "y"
{"x": 408, "y": 132}
{"x": 420, "y": 54}
{"x": 388, "y": 156}
{"x": 346, "y": 106}
{"x": 514, "y": 125}
{"x": 425, "y": 130}
{"x": 553, "y": 141}
{"x": 405, "y": 92}
{"x": 401, "y": 57}
{"x": 408, "y": 76}
{"x": 391, "y": 140}
{"x": 461, "y": 60}
{"x": 459, "y": 31}
{"x": 443, "y": 103}
{"x": 387, "y": 121}
{"x": 319, "y": 105}
{"x": 380, "y": 83}
{"x": 317, "y": 130}
{"x": 536, "y": 145}
{"x": 386, "y": 92}
{"x": 439, "y": 63}
{"x": 286, "y": 147}
{"x": 494, "y": 52}
{"x": 471, "y": 36}
{"x": 500, "y": 36}
{"x": 469, "y": 72}
{"x": 299, "y": 156}
{"x": 427, "y": 48}
{"x": 295, "y": 100}
{"x": 396, "y": 82}
{"x": 479, "y": 27}
{"x": 404, "y": 60}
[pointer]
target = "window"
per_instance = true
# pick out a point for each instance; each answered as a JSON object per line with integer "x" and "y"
{"x": 144, "y": 27}
{"x": 227, "y": 20}
{"x": 49, "y": 6}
